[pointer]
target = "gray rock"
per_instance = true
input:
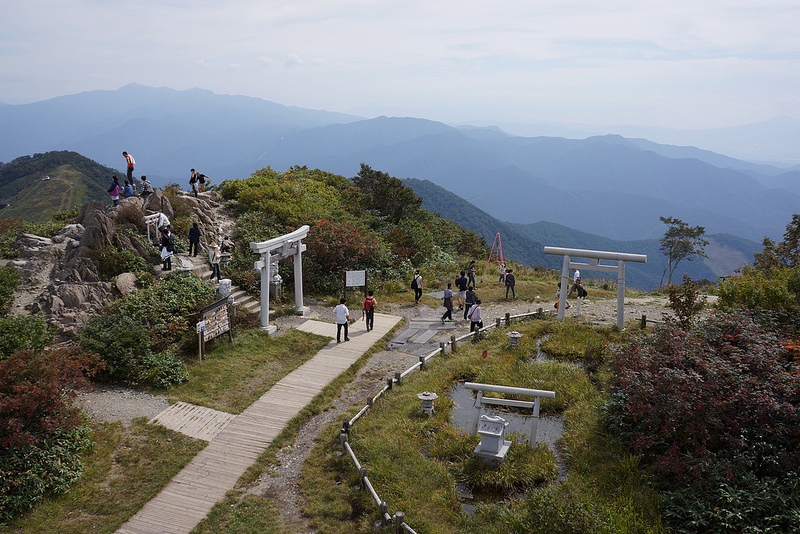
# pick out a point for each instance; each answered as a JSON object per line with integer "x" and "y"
{"x": 126, "y": 283}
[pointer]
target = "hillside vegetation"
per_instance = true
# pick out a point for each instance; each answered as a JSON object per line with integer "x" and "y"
{"x": 33, "y": 188}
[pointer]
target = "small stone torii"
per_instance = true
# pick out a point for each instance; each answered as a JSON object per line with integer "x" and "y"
{"x": 595, "y": 256}
{"x": 272, "y": 252}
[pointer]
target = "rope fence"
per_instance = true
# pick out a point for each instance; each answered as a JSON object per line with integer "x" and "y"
{"x": 383, "y": 508}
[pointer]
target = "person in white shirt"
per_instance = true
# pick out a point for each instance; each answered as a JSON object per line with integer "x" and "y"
{"x": 342, "y": 320}
{"x": 576, "y": 277}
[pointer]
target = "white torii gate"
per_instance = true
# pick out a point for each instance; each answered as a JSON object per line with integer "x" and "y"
{"x": 595, "y": 256}
{"x": 272, "y": 252}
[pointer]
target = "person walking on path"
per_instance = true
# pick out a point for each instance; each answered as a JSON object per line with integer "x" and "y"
{"x": 113, "y": 191}
{"x": 147, "y": 187}
{"x": 471, "y": 298}
{"x": 342, "y": 320}
{"x": 471, "y": 270}
{"x": 510, "y": 283}
{"x": 129, "y": 163}
{"x": 576, "y": 277}
{"x": 461, "y": 286}
{"x": 476, "y": 323}
{"x": 416, "y": 285}
{"x": 369, "y": 309}
{"x": 194, "y": 238}
{"x": 214, "y": 255}
{"x": 167, "y": 247}
{"x": 448, "y": 303}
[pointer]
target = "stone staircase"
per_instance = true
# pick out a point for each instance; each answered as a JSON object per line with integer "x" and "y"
{"x": 201, "y": 268}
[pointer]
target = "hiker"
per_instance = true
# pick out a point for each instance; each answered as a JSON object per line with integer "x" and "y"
{"x": 471, "y": 270}
{"x": 342, "y": 320}
{"x": 129, "y": 163}
{"x": 470, "y": 300}
{"x": 214, "y": 256}
{"x": 476, "y": 323}
{"x": 502, "y": 272}
{"x": 576, "y": 278}
{"x": 167, "y": 247}
{"x": 461, "y": 286}
{"x": 416, "y": 285}
{"x": 448, "y": 303}
{"x": 147, "y": 187}
{"x": 194, "y": 238}
{"x": 510, "y": 283}
{"x": 199, "y": 182}
{"x": 113, "y": 191}
{"x": 127, "y": 191}
{"x": 369, "y": 309}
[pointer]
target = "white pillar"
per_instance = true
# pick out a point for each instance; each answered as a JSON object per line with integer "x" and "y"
{"x": 265, "y": 275}
{"x": 562, "y": 298}
{"x": 621, "y": 294}
{"x": 299, "y": 307}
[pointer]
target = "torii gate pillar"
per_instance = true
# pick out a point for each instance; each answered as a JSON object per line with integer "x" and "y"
{"x": 272, "y": 252}
{"x": 595, "y": 256}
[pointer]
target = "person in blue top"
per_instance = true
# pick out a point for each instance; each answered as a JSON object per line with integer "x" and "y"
{"x": 127, "y": 191}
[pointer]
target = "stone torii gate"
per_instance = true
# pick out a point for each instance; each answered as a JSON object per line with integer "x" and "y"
{"x": 272, "y": 252}
{"x": 595, "y": 256}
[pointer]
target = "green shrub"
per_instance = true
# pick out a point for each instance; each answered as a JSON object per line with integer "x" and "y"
{"x": 113, "y": 261}
{"x": 121, "y": 342}
{"x": 9, "y": 278}
{"x": 23, "y": 332}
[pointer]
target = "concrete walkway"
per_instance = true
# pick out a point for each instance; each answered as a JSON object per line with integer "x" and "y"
{"x": 235, "y": 444}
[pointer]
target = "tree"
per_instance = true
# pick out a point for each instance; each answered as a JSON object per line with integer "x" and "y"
{"x": 786, "y": 253}
{"x": 680, "y": 242}
{"x": 386, "y": 195}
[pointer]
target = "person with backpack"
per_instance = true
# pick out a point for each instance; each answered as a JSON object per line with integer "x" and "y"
{"x": 416, "y": 285}
{"x": 214, "y": 257}
{"x": 369, "y": 309}
{"x": 476, "y": 322}
{"x": 198, "y": 181}
{"x": 448, "y": 303}
{"x": 129, "y": 163}
{"x": 167, "y": 247}
{"x": 461, "y": 286}
{"x": 471, "y": 298}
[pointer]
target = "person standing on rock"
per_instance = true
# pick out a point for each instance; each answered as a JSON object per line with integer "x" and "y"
{"x": 448, "y": 303}
{"x": 167, "y": 247}
{"x": 342, "y": 320}
{"x": 194, "y": 238}
{"x": 113, "y": 191}
{"x": 369, "y": 309}
{"x": 129, "y": 163}
{"x": 214, "y": 256}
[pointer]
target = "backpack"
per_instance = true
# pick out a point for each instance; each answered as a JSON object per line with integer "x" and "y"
{"x": 582, "y": 292}
{"x": 170, "y": 244}
{"x": 369, "y": 303}
{"x": 414, "y": 284}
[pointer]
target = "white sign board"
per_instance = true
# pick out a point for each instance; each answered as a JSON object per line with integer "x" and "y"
{"x": 355, "y": 278}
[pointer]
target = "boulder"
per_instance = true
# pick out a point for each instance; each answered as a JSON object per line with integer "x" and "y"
{"x": 69, "y": 232}
{"x": 34, "y": 246}
{"x": 126, "y": 283}
{"x": 158, "y": 202}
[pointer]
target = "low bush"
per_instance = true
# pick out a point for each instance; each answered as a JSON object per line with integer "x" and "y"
{"x": 9, "y": 278}
{"x": 23, "y": 332}
{"x": 41, "y": 432}
{"x": 709, "y": 405}
{"x": 114, "y": 261}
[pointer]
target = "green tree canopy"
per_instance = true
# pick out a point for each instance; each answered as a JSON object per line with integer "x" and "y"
{"x": 680, "y": 242}
{"x": 386, "y": 196}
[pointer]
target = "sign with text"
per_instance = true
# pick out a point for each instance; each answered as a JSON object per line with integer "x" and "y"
{"x": 215, "y": 320}
{"x": 355, "y": 278}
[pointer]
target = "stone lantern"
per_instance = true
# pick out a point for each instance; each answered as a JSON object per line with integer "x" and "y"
{"x": 513, "y": 339}
{"x": 427, "y": 398}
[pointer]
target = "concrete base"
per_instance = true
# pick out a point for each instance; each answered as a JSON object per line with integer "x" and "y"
{"x": 270, "y": 329}
{"x": 493, "y": 457}
{"x": 302, "y": 311}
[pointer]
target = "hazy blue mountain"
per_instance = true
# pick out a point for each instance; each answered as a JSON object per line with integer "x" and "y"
{"x": 604, "y": 185}
{"x": 524, "y": 243}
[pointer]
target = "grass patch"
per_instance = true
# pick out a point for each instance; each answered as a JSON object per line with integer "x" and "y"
{"x": 234, "y": 375}
{"x": 250, "y": 514}
{"x": 125, "y": 469}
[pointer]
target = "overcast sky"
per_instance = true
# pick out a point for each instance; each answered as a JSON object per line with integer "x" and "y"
{"x": 680, "y": 64}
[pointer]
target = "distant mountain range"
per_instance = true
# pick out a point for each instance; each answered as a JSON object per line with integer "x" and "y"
{"x": 605, "y": 185}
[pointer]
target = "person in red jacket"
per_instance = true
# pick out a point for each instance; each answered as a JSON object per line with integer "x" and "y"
{"x": 369, "y": 308}
{"x": 130, "y": 163}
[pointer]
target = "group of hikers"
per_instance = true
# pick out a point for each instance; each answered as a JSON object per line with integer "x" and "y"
{"x": 197, "y": 180}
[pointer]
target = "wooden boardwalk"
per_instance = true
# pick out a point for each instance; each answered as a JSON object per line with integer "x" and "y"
{"x": 237, "y": 443}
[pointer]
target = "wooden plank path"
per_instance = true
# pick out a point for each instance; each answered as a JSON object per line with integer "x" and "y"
{"x": 191, "y": 494}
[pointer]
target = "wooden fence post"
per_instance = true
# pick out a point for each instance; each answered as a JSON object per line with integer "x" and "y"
{"x": 422, "y": 363}
{"x": 508, "y": 319}
{"x": 644, "y": 321}
{"x": 453, "y": 343}
{"x": 399, "y": 519}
